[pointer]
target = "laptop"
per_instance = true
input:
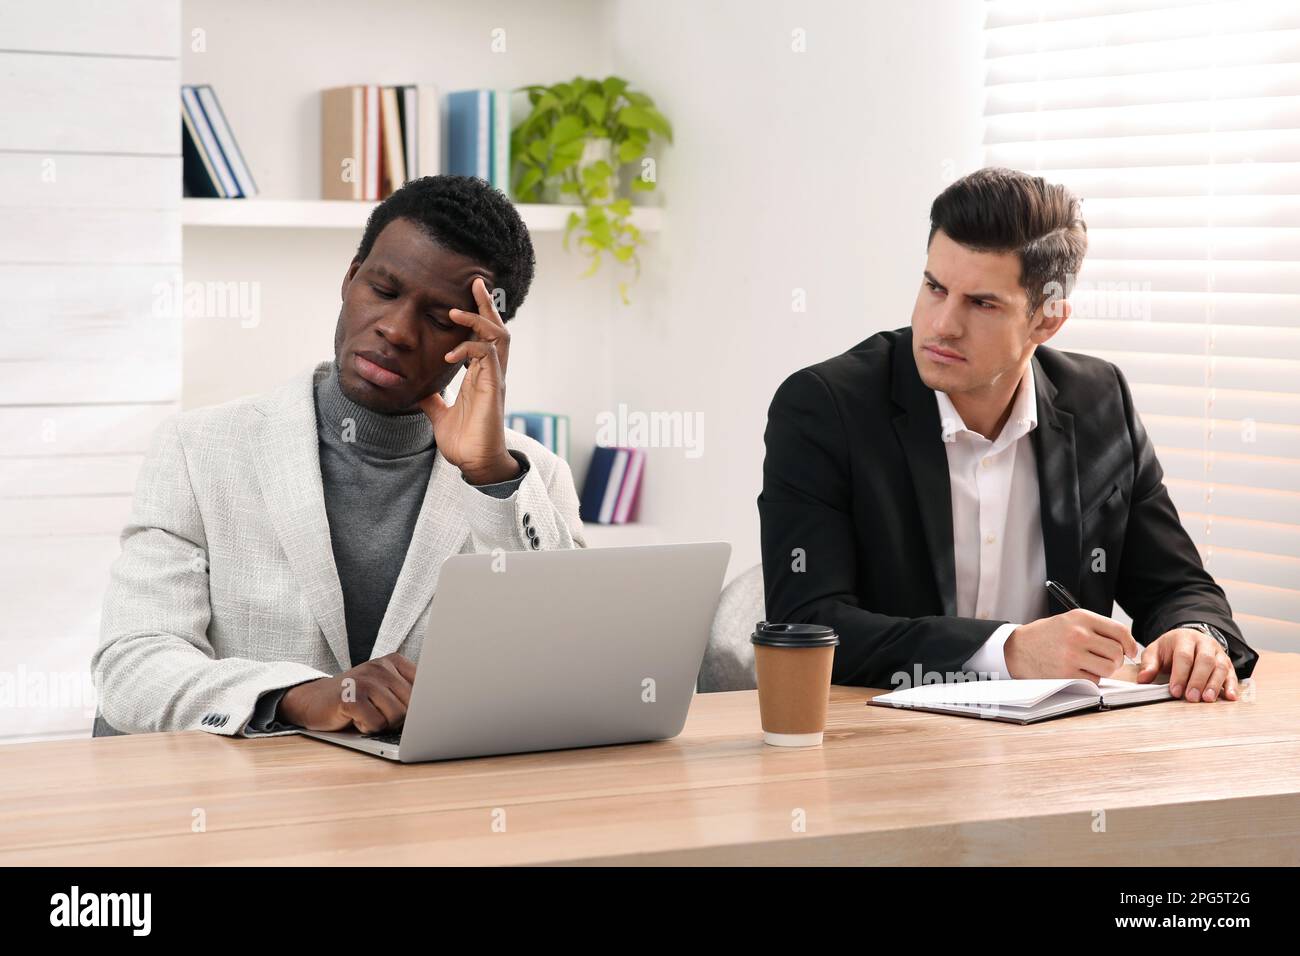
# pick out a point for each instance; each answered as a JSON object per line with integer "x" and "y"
{"x": 548, "y": 650}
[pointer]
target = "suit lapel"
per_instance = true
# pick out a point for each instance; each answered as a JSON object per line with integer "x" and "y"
{"x": 286, "y": 456}
{"x": 439, "y": 532}
{"x": 1058, "y": 484}
{"x": 919, "y": 431}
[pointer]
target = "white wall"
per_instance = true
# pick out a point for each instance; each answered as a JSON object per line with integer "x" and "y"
{"x": 810, "y": 171}
{"x": 89, "y": 224}
{"x": 269, "y": 79}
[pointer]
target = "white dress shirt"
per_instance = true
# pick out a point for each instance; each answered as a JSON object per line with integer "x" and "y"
{"x": 997, "y": 531}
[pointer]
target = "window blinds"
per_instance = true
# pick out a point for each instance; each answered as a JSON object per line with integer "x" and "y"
{"x": 1179, "y": 125}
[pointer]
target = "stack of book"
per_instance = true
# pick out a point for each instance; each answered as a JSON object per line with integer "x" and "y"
{"x": 212, "y": 165}
{"x": 478, "y": 136}
{"x": 551, "y": 430}
{"x": 612, "y": 490}
{"x": 375, "y": 138}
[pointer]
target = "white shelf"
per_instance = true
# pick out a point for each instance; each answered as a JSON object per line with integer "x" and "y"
{"x": 345, "y": 214}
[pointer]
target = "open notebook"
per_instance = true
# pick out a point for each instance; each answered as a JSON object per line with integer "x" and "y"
{"x": 1023, "y": 701}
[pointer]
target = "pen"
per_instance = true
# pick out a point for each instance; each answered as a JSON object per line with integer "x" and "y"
{"x": 1067, "y": 600}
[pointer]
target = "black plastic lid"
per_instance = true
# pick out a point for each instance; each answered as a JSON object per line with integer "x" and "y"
{"x": 794, "y": 635}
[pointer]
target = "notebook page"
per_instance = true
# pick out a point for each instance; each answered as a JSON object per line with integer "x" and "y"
{"x": 1121, "y": 690}
{"x": 998, "y": 693}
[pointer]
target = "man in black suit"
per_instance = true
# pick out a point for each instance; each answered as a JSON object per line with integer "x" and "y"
{"x": 919, "y": 489}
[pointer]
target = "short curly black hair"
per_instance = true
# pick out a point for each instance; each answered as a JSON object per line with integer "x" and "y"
{"x": 466, "y": 215}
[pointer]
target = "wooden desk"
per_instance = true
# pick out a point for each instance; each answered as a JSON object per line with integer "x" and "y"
{"x": 1178, "y": 783}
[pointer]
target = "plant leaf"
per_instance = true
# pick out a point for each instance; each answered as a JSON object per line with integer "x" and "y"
{"x": 634, "y": 116}
{"x": 659, "y": 123}
{"x": 566, "y": 129}
{"x": 530, "y": 178}
{"x": 595, "y": 106}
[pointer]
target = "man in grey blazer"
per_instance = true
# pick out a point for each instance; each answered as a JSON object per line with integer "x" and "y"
{"x": 283, "y": 550}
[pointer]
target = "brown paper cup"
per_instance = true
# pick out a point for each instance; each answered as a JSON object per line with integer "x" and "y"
{"x": 793, "y": 665}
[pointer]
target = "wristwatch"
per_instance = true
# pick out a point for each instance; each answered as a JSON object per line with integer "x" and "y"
{"x": 1209, "y": 629}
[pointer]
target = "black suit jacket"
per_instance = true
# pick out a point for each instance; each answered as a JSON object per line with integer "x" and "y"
{"x": 856, "y": 482}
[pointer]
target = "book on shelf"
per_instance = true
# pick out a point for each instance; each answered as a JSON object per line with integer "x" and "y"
{"x": 376, "y": 138}
{"x": 551, "y": 430}
{"x": 611, "y": 493}
{"x": 212, "y": 164}
{"x": 478, "y": 135}
{"x": 393, "y": 166}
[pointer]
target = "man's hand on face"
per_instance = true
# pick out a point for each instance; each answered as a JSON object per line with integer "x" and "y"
{"x": 471, "y": 433}
{"x": 372, "y": 697}
{"x": 1199, "y": 668}
{"x": 1078, "y": 643}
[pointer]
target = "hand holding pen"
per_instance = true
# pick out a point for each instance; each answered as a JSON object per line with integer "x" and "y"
{"x": 1067, "y": 600}
{"x": 1077, "y": 643}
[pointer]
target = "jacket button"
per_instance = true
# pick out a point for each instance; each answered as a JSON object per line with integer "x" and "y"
{"x": 535, "y": 543}
{"x": 528, "y": 519}
{"x": 532, "y": 532}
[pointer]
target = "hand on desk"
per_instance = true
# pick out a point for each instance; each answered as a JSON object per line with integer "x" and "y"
{"x": 1198, "y": 667}
{"x": 372, "y": 697}
{"x": 1078, "y": 643}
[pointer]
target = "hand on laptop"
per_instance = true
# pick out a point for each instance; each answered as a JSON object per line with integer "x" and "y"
{"x": 1198, "y": 667}
{"x": 1078, "y": 643}
{"x": 471, "y": 433}
{"x": 372, "y": 697}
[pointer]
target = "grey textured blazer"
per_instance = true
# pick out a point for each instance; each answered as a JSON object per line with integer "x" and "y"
{"x": 226, "y": 587}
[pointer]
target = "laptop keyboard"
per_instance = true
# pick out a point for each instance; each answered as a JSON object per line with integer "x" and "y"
{"x": 393, "y": 738}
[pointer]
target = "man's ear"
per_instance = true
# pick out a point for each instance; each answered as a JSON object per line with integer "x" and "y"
{"x": 1049, "y": 318}
{"x": 347, "y": 277}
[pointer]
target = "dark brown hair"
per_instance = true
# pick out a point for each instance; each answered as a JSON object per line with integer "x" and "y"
{"x": 1005, "y": 210}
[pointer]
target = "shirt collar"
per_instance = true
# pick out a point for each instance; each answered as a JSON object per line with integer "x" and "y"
{"x": 1022, "y": 420}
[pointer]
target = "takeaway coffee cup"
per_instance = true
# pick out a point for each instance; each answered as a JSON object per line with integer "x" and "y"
{"x": 793, "y": 663}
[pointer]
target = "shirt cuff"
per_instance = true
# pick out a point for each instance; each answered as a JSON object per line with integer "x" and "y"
{"x": 264, "y": 720}
{"x": 504, "y": 489}
{"x": 990, "y": 661}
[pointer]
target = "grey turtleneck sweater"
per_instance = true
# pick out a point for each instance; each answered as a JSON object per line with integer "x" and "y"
{"x": 374, "y": 470}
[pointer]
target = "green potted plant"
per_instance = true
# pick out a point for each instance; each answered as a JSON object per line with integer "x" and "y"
{"x": 572, "y": 146}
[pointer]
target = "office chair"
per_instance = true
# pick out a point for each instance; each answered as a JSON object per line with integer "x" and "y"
{"x": 729, "y": 657}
